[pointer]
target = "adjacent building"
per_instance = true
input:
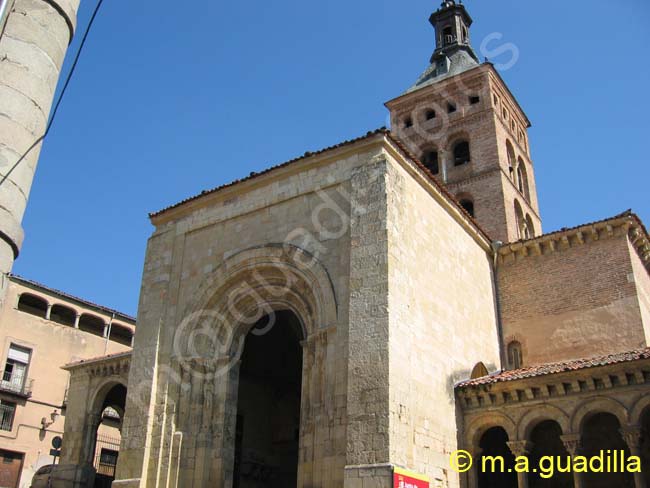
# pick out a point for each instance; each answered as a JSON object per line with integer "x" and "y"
{"x": 42, "y": 330}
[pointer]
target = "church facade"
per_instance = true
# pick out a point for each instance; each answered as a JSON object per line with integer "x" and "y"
{"x": 381, "y": 304}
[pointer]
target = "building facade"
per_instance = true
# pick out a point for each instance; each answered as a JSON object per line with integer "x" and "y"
{"x": 377, "y": 305}
{"x": 42, "y": 330}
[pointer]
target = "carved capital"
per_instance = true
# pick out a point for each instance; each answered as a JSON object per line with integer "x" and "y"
{"x": 632, "y": 436}
{"x": 520, "y": 448}
{"x": 572, "y": 443}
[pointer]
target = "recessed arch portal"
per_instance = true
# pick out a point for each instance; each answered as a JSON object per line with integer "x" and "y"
{"x": 213, "y": 345}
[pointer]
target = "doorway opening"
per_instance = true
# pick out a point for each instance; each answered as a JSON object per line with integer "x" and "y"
{"x": 268, "y": 404}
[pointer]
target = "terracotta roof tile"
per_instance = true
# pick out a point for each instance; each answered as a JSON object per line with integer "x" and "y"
{"x": 560, "y": 367}
{"x": 402, "y": 148}
{"x": 253, "y": 175}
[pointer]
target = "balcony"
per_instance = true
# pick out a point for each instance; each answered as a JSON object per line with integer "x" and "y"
{"x": 16, "y": 385}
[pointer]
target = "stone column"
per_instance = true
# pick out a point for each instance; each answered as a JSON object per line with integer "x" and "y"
{"x": 572, "y": 444}
{"x": 632, "y": 436}
{"x": 76, "y": 321}
{"x": 472, "y": 474}
{"x": 443, "y": 159}
{"x": 48, "y": 312}
{"x": 521, "y": 448}
{"x": 32, "y": 49}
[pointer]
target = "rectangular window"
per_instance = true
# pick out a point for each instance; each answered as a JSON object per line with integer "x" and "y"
{"x": 15, "y": 373}
{"x": 474, "y": 100}
{"x": 7, "y": 413}
{"x": 5, "y": 8}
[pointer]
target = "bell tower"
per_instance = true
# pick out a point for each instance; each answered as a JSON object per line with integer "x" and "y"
{"x": 461, "y": 120}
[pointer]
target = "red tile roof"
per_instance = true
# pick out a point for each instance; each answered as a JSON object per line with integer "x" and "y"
{"x": 253, "y": 175}
{"x": 383, "y": 131}
{"x": 560, "y": 367}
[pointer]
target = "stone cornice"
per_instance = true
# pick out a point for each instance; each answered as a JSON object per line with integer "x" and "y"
{"x": 103, "y": 366}
{"x": 626, "y": 224}
{"x": 555, "y": 385}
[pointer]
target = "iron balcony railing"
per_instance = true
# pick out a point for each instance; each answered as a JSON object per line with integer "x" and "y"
{"x": 16, "y": 385}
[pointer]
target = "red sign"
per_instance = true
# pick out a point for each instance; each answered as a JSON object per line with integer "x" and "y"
{"x": 407, "y": 479}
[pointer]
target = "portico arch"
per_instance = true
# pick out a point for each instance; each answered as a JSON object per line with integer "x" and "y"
{"x": 539, "y": 414}
{"x": 595, "y": 406}
{"x": 246, "y": 288}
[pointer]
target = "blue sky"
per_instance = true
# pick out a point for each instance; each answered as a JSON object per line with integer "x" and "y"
{"x": 168, "y": 101}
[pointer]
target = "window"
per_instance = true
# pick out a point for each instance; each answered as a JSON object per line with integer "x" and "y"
{"x": 465, "y": 34}
{"x": 530, "y": 227}
{"x": 430, "y": 115}
{"x": 515, "y": 356}
{"x": 408, "y": 123}
{"x": 451, "y": 108}
{"x": 33, "y": 305}
{"x": 520, "y": 221}
{"x": 505, "y": 114}
{"x": 63, "y": 315}
{"x": 522, "y": 177}
{"x": 474, "y": 100}
{"x": 447, "y": 35}
{"x": 511, "y": 159}
{"x": 468, "y": 205}
{"x": 92, "y": 324}
{"x": 430, "y": 160}
{"x": 461, "y": 153}
{"x": 7, "y": 413}
{"x": 15, "y": 373}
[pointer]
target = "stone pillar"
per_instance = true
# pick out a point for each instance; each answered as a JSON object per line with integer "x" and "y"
{"x": 632, "y": 436}
{"x": 572, "y": 444}
{"x": 32, "y": 49}
{"x": 521, "y": 448}
{"x": 76, "y": 321}
{"x": 368, "y": 447}
{"x": 48, "y": 312}
{"x": 443, "y": 155}
{"x": 472, "y": 474}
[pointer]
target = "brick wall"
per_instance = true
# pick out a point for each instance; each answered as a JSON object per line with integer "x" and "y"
{"x": 579, "y": 300}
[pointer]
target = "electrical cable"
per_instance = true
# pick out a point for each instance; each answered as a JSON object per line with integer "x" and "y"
{"x": 61, "y": 95}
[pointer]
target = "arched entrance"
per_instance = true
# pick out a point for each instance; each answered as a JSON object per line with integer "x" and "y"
{"x": 546, "y": 441}
{"x": 268, "y": 404}
{"x": 601, "y": 432}
{"x": 494, "y": 444}
{"x": 107, "y": 434}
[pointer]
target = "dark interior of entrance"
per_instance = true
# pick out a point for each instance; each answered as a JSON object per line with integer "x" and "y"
{"x": 107, "y": 440}
{"x": 268, "y": 408}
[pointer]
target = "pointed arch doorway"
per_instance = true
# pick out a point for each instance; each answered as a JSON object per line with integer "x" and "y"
{"x": 267, "y": 429}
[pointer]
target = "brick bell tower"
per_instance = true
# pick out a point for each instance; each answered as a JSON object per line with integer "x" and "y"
{"x": 465, "y": 125}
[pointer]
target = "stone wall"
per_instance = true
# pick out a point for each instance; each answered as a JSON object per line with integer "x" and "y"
{"x": 442, "y": 322}
{"x": 189, "y": 268}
